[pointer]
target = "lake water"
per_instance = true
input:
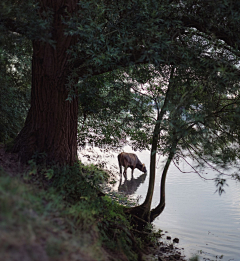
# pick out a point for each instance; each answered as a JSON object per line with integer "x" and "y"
{"x": 205, "y": 223}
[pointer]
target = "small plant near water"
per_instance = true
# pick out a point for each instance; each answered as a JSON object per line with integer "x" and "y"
{"x": 91, "y": 209}
{"x": 201, "y": 252}
{"x": 194, "y": 258}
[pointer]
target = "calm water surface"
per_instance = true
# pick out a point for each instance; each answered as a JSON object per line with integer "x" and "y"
{"x": 205, "y": 223}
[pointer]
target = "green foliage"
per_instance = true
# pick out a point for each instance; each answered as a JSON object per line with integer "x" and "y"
{"x": 180, "y": 72}
{"x": 39, "y": 173}
{"x": 15, "y": 77}
{"x": 19, "y": 24}
{"x": 81, "y": 185}
{"x": 74, "y": 183}
{"x": 15, "y": 74}
{"x": 94, "y": 175}
{"x": 150, "y": 235}
{"x": 111, "y": 111}
{"x": 47, "y": 223}
{"x": 114, "y": 227}
{"x": 21, "y": 19}
{"x": 78, "y": 182}
{"x": 121, "y": 62}
{"x": 160, "y": 72}
{"x": 194, "y": 258}
{"x": 101, "y": 216}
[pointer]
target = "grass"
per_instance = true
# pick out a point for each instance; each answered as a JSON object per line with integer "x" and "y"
{"x": 62, "y": 217}
{"x": 38, "y": 225}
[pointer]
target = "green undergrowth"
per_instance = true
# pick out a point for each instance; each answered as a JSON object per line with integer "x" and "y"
{"x": 61, "y": 214}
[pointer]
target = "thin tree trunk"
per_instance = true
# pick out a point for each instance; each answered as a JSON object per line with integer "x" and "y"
{"x": 51, "y": 124}
{"x": 143, "y": 211}
{"x": 159, "y": 209}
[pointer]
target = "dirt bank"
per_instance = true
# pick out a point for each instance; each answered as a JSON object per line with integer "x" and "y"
{"x": 27, "y": 235}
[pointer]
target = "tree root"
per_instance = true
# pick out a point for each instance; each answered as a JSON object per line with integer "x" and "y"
{"x": 156, "y": 212}
{"x": 139, "y": 216}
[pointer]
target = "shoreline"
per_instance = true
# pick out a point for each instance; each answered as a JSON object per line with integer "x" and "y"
{"x": 21, "y": 247}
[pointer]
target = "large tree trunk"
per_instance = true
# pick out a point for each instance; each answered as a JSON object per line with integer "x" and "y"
{"x": 51, "y": 124}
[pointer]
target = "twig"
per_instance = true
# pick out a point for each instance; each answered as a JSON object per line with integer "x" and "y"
{"x": 196, "y": 170}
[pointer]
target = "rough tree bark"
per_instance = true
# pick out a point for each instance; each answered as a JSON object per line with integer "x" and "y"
{"x": 51, "y": 124}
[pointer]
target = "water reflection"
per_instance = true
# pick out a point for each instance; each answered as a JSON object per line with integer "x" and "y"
{"x": 129, "y": 187}
{"x": 205, "y": 223}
